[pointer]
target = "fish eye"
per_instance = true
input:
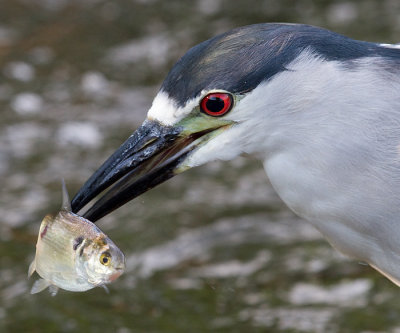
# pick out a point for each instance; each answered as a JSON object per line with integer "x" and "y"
{"x": 105, "y": 258}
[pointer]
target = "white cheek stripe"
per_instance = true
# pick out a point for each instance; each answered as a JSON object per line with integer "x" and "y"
{"x": 165, "y": 110}
{"x": 391, "y": 46}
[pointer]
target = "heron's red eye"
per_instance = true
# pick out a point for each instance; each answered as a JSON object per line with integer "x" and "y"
{"x": 216, "y": 104}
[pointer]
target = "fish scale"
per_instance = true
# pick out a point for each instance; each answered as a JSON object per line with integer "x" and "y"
{"x": 55, "y": 244}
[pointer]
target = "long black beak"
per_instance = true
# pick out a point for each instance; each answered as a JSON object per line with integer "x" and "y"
{"x": 147, "y": 158}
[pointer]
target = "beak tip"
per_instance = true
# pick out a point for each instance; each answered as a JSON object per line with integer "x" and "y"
{"x": 133, "y": 169}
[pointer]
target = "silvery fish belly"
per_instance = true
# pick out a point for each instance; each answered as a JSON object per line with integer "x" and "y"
{"x": 72, "y": 253}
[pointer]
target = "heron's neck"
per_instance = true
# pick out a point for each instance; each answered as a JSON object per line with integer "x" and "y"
{"x": 328, "y": 130}
{"x": 332, "y": 148}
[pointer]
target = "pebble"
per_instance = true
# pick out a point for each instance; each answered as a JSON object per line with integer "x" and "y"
{"x": 208, "y": 7}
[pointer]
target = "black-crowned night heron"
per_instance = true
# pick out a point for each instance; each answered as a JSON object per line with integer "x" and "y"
{"x": 321, "y": 111}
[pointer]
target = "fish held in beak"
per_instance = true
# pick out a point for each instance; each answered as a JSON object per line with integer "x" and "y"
{"x": 73, "y": 254}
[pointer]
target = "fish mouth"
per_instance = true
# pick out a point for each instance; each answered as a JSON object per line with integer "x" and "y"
{"x": 153, "y": 154}
{"x": 115, "y": 275}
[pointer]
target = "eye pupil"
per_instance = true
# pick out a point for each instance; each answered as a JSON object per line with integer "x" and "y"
{"x": 105, "y": 258}
{"x": 216, "y": 104}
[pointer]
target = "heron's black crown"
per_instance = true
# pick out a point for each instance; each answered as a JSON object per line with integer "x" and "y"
{"x": 238, "y": 60}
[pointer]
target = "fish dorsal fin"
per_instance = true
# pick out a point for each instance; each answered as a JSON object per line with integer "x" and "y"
{"x": 39, "y": 285}
{"x": 66, "y": 203}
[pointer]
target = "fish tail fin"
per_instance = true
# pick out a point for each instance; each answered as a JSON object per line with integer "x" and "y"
{"x": 53, "y": 290}
{"x": 32, "y": 268}
{"x": 39, "y": 285}
{"x": 66, "y": 203}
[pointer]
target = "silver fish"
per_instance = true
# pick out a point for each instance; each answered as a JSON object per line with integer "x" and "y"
{"x": 73, "y": 254}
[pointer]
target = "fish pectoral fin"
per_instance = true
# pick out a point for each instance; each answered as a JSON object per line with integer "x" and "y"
{"x": 32, "y": 268}
{"x": 53, "y": 290}
{"x": 105, "y": 288}
{"x": 39, "y": 285}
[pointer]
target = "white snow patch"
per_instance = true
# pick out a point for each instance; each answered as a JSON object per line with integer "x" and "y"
{"x": 342, "y": 13}
{"x": 208, "y": 7}
{"x": 20, "y": 139}
{"x": 154, "y": 49}
{"x": 94, "y": 84}
{"x": 299, "y": 320}
{"x": 80, "y": 134}
{"x": 185, "y": 283}
{"x": 13, "y": 291}
{"x": 20, "y": 71}
{"x": 197, "y": 243}
{"x": 234, "y": 267}
{"x": 351, "y": 293}
{"x": 27, "y": 103}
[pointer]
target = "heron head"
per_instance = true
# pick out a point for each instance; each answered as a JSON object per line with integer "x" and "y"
{"x": 214, "y": 104}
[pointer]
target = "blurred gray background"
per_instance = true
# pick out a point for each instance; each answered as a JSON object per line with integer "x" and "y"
{"x": 213, "y": 249}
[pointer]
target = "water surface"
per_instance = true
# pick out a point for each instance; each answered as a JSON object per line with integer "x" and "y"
{"x": 211, "y": 250}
